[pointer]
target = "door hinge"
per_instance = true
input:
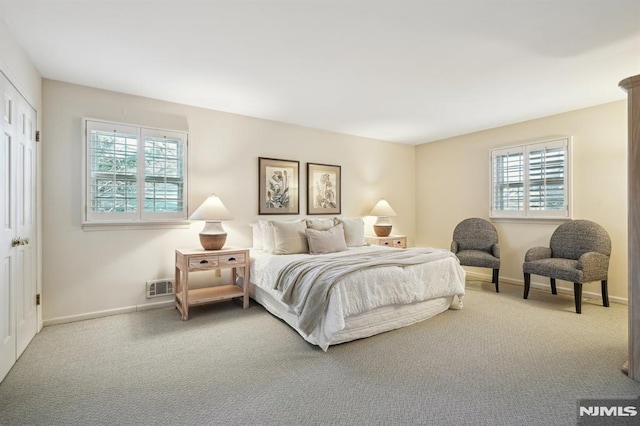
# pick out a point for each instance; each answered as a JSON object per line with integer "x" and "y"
{"x": 38, "y": 299}
{"x": 37, "y": 135}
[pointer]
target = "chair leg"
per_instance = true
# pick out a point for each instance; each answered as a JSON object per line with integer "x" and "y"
{"x": 553, "y": 286}
{"x": 527, "y": 284}
{"x": 605, "y": 294}
{"x": 577, "y": 292}
{"x": 496, "y": 272}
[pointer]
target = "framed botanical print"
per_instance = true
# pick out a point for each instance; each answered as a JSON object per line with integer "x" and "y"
{"x": 278, "y": 186}
{"x": 323, "y": 192}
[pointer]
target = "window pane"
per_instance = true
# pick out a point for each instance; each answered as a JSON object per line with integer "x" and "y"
{"x": 508, "y": 181}
{"x": 546, "y": 179}
{"x": 163, "y": 174}
{"x": 112, "y": 173}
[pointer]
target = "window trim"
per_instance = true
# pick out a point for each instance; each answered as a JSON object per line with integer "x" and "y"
{"x": 526, "y": 213}
{"x": 140, "y": 219}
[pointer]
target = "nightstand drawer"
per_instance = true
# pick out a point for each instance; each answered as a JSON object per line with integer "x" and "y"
{"x": 231, "y": 259}
{"x": 203, "y": 262}
{"x": 396, "y": 241}
{"x": 400, "y": 242}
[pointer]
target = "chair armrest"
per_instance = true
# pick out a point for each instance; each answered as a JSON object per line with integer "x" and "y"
{"x": 495, "y": 250}
{"x": 594, "y": 266}
{"x": 537, "y": 253}
{"x": 454, "y": 247}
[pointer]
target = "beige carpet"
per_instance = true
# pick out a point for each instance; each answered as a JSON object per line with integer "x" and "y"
{"x": 501, "y": 360}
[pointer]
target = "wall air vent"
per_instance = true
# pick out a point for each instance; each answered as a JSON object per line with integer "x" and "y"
{"x": 157, "y": 288}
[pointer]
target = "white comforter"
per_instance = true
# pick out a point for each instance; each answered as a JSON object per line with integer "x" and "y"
{"x": 367, "y": 289}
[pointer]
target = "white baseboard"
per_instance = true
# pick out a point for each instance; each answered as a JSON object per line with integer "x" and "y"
{"x": 108, "y": 312}
{"x": 546, "y": 287}
{"x": 169, "y": 303}
{"x": 156, "y": 305}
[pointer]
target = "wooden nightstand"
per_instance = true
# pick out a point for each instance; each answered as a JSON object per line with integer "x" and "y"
{"x": 398, "y": 241}
{"x": 194, "y": 260}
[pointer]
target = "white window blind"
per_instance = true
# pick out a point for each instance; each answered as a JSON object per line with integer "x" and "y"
{"x": 508, "y": 181}
{"x": 134, "y": 174}
{"x": 546, "y": 178}
{"x": 163, "y": 174}
{"x": 531, "y": 181}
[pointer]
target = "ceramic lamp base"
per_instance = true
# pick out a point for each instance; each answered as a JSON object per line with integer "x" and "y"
{"x": 213, "y": 241}
{"x": 213, "y": 236}
{"x": 382, "y": 230}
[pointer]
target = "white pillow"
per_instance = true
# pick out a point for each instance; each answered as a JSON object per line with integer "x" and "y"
{"x": 329, "y": 241}
{"x": 268, "y": 243}
{"x": 320, "y": 224}
{"x": 289, "y": 237}
{"x": 256, "y": 233}
{"x": 353, "y": 231}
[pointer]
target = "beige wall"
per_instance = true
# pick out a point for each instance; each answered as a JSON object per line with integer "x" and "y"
{"x": 453, "y": 183}
{"x": 87, "y": 272}
{"x": 93, "y": 272}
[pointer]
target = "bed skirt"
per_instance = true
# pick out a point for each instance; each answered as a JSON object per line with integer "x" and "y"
{"x": 359, "y": 326}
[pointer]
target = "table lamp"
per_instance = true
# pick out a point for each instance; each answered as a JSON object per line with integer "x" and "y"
{"x": 213, "y": 212}
{"x": 383, "y": 211}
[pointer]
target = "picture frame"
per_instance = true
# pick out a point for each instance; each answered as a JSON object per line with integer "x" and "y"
{"x": 324, "y": 192}
{"x": 278, "y": 186}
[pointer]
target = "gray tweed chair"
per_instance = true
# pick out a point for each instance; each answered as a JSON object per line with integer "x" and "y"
{"x": 578, "y": 252}
{"x": 475, "y": 242}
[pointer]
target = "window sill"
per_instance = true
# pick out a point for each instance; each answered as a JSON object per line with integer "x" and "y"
{"x": 134, "y": 226}
{"x": 543, "y": 220}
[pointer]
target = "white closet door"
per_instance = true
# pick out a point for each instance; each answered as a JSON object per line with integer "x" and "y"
{"x": 8, "y": 341}
{"x": 18, "y": 280}
{"x": 26, "y": 279}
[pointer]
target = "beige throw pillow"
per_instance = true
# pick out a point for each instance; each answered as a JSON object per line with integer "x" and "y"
{"x": 353, "y": 231}
{"x": 320, "y": 224}
{"x": 329, "y": 241}
{"x": 290, "y": 237}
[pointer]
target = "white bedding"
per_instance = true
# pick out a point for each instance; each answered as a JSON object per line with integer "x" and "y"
{"x": 395, "y": 296}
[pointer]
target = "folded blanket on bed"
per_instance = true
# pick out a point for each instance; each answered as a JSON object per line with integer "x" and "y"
{"x": 306, "y": 284}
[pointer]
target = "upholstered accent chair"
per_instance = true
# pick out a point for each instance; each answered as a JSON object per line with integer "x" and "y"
{"x": 578, "y": 252}
{"x": 475, "y": 242}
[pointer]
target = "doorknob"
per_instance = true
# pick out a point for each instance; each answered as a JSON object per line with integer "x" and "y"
{"x": 15, "y": 242}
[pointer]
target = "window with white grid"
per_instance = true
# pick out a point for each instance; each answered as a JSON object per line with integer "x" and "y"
{"x": 531, "y": 181}
{"x": 134, "y": 174}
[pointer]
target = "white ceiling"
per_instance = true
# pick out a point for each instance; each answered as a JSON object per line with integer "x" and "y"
{"x": 400, "y": 70}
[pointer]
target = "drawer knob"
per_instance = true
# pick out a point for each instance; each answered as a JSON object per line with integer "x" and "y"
{"x": 204, "y": 261}
{"x": 232, "y": 259}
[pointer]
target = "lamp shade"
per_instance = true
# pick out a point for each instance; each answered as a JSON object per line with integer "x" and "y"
{"x": 211, "y": 209}
{"x": 382, "y": 208}
{"x": 213, "y": 236}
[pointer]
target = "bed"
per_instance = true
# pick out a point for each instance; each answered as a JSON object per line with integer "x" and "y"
{"x": 377, "y": 289}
